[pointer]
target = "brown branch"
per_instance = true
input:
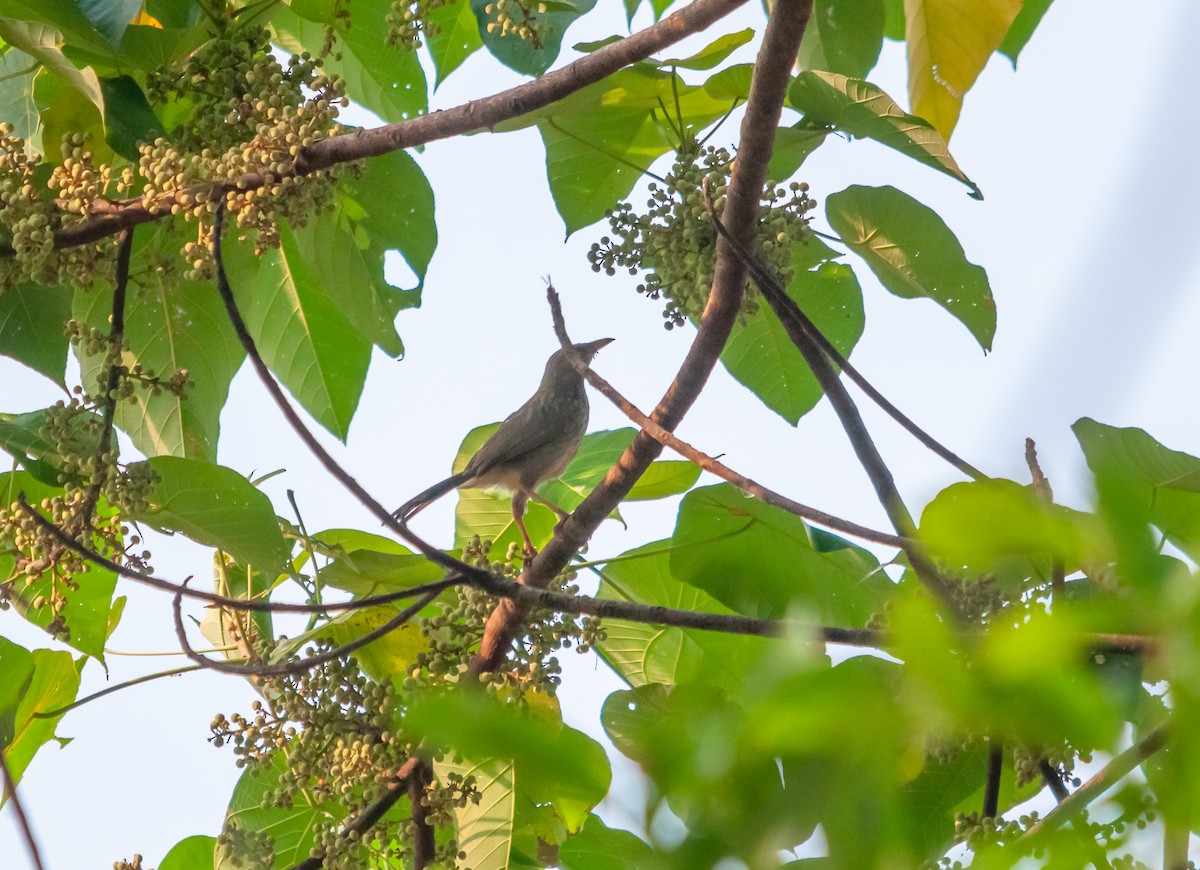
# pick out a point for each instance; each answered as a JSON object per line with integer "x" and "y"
{"x": 114, "y": 216}
{"x": 298, "y": 665}
{"x": 803, "y": 335}
{"x": 239, "y": 604}
{"x": 10, "y": 792}
{"x": 367, "y": 819}
{"x": 1053, "y": 779}
{"x": 116, "y": 337}
{"x": 991, "y": 786}
{"x": 772, "y": 70}
{"x": 424, "y": 845}
{"x": 1114, "y": 771}
{"x": 708, "y": 463}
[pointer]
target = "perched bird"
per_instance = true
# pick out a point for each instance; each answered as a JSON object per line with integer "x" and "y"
{"x": 534, "y": 444}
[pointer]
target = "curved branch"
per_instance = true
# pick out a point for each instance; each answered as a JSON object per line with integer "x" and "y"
{"x": 708, "y": 463}
{"x": 10, "y": 792}
{"x": 115, "y": 216}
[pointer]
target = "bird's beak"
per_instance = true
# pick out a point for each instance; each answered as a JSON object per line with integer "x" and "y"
{"x": 592, "y": 347}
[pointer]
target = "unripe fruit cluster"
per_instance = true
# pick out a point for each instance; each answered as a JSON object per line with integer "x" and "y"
{"x": 408, "y": 21}
{"x": 673, "y": 243}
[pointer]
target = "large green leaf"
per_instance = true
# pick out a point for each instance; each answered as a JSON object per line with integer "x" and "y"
{"x": 762, "y": 357}
{"x": 843, "y": 36}
{"x": 42, "y": 41}
{"x": 601, "y": 139}
{"x": 171, "y": 326}
{"x": 217, "y": 507}
{"x": 385, "y": 79}
{"x": 31, "y": 327}
{"x": 64, "y": 109}
{"x": 366, "y": 572}
{"x": 54, "y": 685}
{"x": 913, "y": 253}
{"x": 453, "y": 36}
{"x": 1163, "y": 483}
{"x": 522, "y": 55}
{"x": 554, "y": 763}
{"x": 191, "y": 853}
{"x": 765, "y": 562}
{"x": 861, "y": 109}
{"x": 303, "y": 335}
{"x": 109, "y": 17}
{"x": 713, "y": 53}
{"x": 599, "y": 847}
{"x": 128, "y": 119}
{"x": 949, "y": 43}
{"x": 16, "y": 671}
{"x": 398, "y": 204}
{"x": 642, "y": 653}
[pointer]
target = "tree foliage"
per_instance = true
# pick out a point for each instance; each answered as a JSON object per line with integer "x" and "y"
{"x": 180, "y": 197}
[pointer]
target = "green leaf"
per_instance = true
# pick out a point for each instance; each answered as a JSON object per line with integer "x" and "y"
{"x": 367, "y": 572}
{"x": 303, "y": 335}
{"x": 893, "y": 22}
{"x": 170, "y": 326}
{"x": 599, "y": 847}
{"x": 16, "y": 672}
{"x": 979, "y": 526}
{"x": 948, "y": 46}
{"x": 642, "y": 653}
{"x": 485, "y": 829}
{"x": 1022, "y": 27}
{"x": 598, "y": 452}
{"x": 149, "y": 48}
{"x": 399, "y": 207}
{"x": 762, "y": 357}
{"x": 453, "y": 36}
{"x": 64, "y": 109}
{"x": 843, "y": 36}
{"x": 761, "y": 561}
{"x": 384, "y": 78}
{"x": 713, "y": 53}
{"x": 554, "y": 763}
{"x": 731, "y": 84}
{"x": 792, "y": 147}
{"x": 863, "y": 110}
{"x": 913, "y": 253}
{"x": 191, "y": 853}
{"x": 217, "y": 507}
{"x": 17, "y": 71}
{"x": 521, "y": 55}
{"x": 31, "y": 327}
{"x": 128, "y": 119}
{"x": 54, "y": 684}
{"x": 1162, "y": 483}
{"x": 42, "y": 42}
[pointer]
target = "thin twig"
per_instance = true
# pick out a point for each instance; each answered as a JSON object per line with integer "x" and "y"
{"x": 10, "y": 791}
{"x": 1041, "y": 485}
{"x": 1114, "y": 771}
{"x": 240, "y": 604}
{"x": 804, "y": 336}
{"x": 298, "y": 665}
{"x": 708, "y": 463}
{"x": 118, "y": 687}
{"x": 112, "y": 216}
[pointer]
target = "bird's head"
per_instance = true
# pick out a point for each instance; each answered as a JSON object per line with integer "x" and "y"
{"x": 559, "y": 365}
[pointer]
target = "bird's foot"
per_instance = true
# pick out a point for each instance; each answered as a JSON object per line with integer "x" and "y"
{"x": 529, "y": 551}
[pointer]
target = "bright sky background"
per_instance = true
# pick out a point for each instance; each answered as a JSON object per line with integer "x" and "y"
{"x": 1086, "y": 159}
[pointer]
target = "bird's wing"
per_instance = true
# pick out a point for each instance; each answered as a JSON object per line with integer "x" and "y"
{"x": 525, "y": 431}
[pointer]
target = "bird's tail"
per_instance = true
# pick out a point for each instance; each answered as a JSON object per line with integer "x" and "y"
{"x": 417, "y": 503}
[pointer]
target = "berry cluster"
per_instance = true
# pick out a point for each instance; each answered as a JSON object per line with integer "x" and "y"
{"x": 252, "y": 118}
{"x": 524, "y": 19}
{"x": 335, "y": 727}
{"x": 408, "y": 21}
{"x": 674, "y": 242}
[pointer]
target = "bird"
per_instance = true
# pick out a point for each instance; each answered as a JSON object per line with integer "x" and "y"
{"x": 535, "y": 443}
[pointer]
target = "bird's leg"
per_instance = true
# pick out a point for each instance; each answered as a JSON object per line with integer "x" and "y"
{"x": 541, "y": 499}
{"x": 519, "y": 500}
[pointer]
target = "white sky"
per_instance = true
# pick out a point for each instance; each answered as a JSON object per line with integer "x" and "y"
{"x": 1085, "y": 157}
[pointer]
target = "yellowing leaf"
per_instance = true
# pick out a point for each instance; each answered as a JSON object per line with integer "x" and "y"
{"x": 949, "y": 43}
{"x": 145, "y": 19}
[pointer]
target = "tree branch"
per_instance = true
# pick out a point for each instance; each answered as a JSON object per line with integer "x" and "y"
{"x": 10, "y": 791}
{"x": 114, "y": 216}
{"x": 424, "y": 846}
